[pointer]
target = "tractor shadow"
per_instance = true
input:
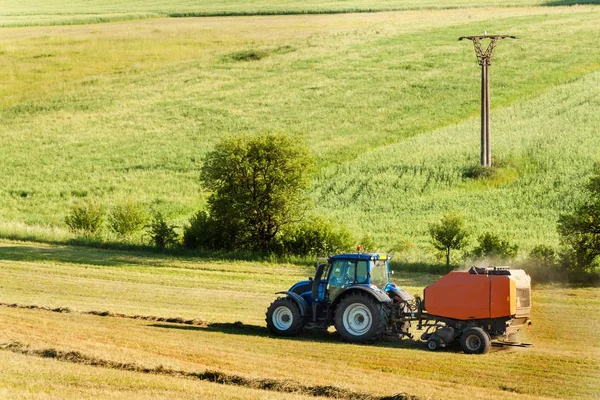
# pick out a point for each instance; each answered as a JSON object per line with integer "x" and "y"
{"x": 318, "y": 336}
{"x": 308, "y": 335}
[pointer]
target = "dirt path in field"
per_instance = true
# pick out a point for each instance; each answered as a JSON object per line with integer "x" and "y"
{"x": 277, "y": 385}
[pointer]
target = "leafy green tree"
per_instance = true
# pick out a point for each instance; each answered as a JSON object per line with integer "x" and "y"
{"x": 492, "y": 246}
{"x": 580, "y": 231}
{"x": 127, "y": 218}
{"x": 258, "y": 186}
{"x": 449, "y": 234}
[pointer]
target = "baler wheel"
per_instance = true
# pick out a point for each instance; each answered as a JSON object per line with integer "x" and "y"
{"x": 475, "y": 341}
{"x": 284, "y": 318}
{"x": 433, "y": 344}
{"x": 360, "y": 318}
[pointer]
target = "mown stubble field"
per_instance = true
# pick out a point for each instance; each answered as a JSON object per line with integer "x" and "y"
{"x": 564, "y": 362}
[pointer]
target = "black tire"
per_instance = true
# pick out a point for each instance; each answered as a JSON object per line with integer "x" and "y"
{"x": 284, "y": 318}
{"x": 433, "y": 344}
{"x": 360, "y": 318}
{"x": 475, "y": 341}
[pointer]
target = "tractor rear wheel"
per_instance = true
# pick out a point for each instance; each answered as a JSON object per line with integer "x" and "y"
{"x": 475, "y": 341}
{"x": 284, "y": 318}
{"x": 360, "y": 318}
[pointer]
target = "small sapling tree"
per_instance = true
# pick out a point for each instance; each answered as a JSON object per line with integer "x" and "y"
{"x": 449, "y": 234}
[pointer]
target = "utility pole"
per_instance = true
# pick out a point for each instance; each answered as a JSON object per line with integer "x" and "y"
{"x": 485, "y": 60}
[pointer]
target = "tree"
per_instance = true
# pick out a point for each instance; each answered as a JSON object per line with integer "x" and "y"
{"x": 494, "y": 247}
{"x": 258, "y": 186}
{"x": 580, "y": 231}
{"x": 449, "y": 234}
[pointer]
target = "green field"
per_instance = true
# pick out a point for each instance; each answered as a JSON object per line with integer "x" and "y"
{"x": 564, "y": 362}
{"x": 388, "y": 103}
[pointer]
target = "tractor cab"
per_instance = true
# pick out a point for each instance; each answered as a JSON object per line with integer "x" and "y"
{"x": 351, "y": 270}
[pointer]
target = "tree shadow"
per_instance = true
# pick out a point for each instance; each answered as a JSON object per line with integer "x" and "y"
{"x": 73, "y": 255}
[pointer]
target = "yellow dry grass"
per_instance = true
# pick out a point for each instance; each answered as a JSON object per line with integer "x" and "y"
{"x": 24, "y": 377}
{"x": 564, "y": 362}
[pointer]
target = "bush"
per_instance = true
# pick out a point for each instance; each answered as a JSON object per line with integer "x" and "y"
{"x": 580, "y": 230}
{"x": 543, "y": 256}
{"x": 479, "y": 172}
{"x": 162, "y": 234}
{"x": 571, "y": 268}
{"x": 127, "y": 218}
{"x": 402, "y": 247}
{"x": 316, "y": 237}
{"x": 203, "y": 233}
{"x": 542, "y": 264}
{"x": 493, "y": 247}
{"x": 367, "y": 244}
{"x": 85, "y": 218}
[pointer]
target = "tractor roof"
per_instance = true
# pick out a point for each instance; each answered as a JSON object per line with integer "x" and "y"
{"x": 359, "y": 256}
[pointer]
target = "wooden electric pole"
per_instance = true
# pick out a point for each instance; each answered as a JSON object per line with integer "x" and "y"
{"x": 485, "y": 60}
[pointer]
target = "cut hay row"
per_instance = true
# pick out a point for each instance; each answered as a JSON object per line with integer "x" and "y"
{"x": 226, "y": 326}
{"x": 285, "y": 386}
{"x": 67, "y": 310}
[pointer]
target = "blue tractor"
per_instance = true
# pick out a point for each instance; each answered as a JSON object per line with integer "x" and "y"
{"x": 353, "y": 292}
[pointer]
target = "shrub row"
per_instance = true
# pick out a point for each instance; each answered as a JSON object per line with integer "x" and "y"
{"x": 125, "y": 220}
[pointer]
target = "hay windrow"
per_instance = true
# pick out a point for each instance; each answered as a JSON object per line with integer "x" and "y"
{"x": 174, "y": 320}
{"x": 276, "y": 385}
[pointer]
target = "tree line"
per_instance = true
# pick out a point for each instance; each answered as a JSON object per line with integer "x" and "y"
{"x": 258, "y": 203}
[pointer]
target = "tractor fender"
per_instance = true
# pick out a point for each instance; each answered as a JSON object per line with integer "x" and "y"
{"x": 379, "y": 295}
{"x": 302, "y": 304}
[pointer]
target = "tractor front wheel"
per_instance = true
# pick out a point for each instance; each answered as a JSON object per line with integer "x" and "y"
{"x": 360, "y": 318}
{"x": 475, "y": 341}
{"x": 284, "y": 318}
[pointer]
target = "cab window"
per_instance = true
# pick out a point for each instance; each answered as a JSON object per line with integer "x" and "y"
{"x": 362, "y": 272}
{"x": 343, "y": 274}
